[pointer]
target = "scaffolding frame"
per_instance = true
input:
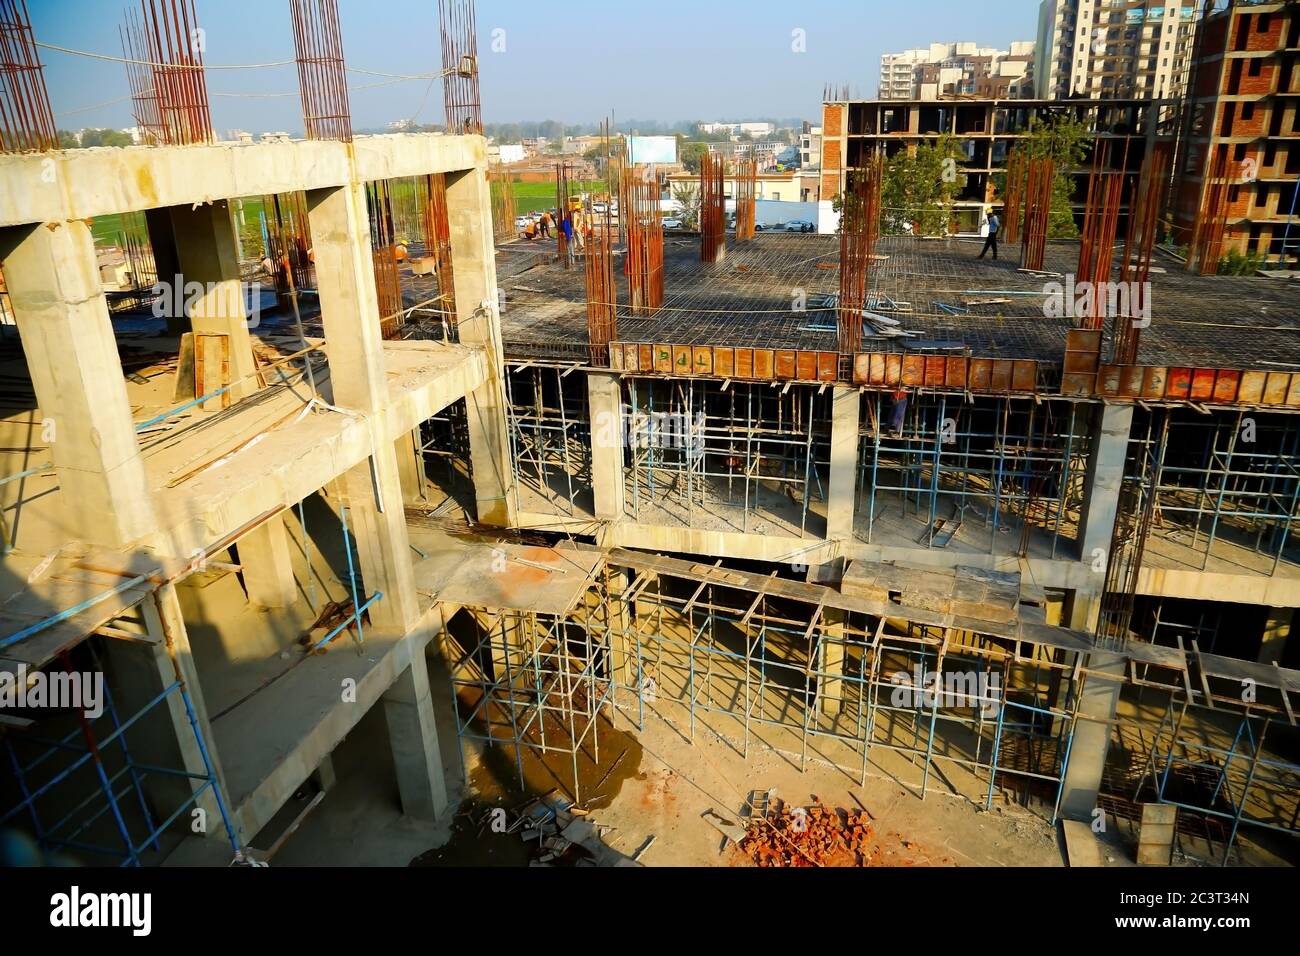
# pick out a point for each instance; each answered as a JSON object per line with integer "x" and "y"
{"x": 1207, "y": 474}
{"x": 1024, "y": 465}
{"x": 692, "y": 443}
{"x": 550, "y": 433}
{"x": 116, "y": 786}
{"x": 535, "y": 681}
{"x": 1238, "y": 775}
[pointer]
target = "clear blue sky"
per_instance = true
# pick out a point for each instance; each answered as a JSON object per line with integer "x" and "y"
{"x": 568, "y": 60}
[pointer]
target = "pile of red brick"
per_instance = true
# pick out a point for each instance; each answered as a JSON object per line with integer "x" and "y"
{"x": 809, "y": 836}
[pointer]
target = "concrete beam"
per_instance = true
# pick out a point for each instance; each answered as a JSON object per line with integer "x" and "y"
{"x": 605, "y": 403}
{"x": 413, "y": 736}
{"x": 846, "y": 412}
{"x": 53, "y": 282}
{"x": 473, "y": 254}
{"x": 87, "y": 183}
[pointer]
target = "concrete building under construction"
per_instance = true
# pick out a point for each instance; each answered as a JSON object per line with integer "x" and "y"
{"x": 392, "y": 517}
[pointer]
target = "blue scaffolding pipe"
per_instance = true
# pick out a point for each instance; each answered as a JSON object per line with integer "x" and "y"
{"x": 71, "y": 612}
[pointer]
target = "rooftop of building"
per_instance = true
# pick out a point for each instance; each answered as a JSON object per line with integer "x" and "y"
{"x": 940, "y": 293}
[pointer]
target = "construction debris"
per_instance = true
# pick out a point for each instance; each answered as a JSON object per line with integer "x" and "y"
{"x": 815, "y": 835}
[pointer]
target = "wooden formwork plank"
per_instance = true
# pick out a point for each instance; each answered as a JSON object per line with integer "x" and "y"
{"x": 1001, "y": 378}
{"x": 1024, "y": 375}
{"x": 682, "y": 359}
{"x": 703, "y": 364}
{"x": 616, "y": 357}
{"x": 828, "y": 366}
{"x": 764, "y": 364}
{"x": 893, "y": 369}
{"x": 981, "y": 374}
{"x": 1293, "y": 393}
{"x": 1202, "y": 384}
{"x": 645, "y": 357}
{"x": 863, "y": 365}
{"x": 1225, "y": 385}
{"x": 1153, "y": 381}
{"x": 806, "y": 366}
{"x": 724, "y": 361}
{"x": 1178, "y": 383}
{"x": 1275, "y": 388}
{"x": 785, "y": 364}
{"x": 744, "y": 363}
{"x": 1130, "y": 381}
{"x": 1251, "y": 389}
{"x": 663, "y": 358}
{"x": 955, "y": 374}
{"x": 934, "y": 369}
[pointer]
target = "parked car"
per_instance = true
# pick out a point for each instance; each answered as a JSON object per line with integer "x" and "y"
{"x": 598, "y": 207}
{"x": 800, "y": 225}
{"x": 672, "y": 222}
{"x": 521, "y": 222}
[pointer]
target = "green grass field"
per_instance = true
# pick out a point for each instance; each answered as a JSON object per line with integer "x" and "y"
{"x": 534, "y": 197}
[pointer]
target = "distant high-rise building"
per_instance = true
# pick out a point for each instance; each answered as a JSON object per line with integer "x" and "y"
{"x": 1242, "y": 111}
{"x": 1117, "y": 49}
{"x": 957, "y": 69}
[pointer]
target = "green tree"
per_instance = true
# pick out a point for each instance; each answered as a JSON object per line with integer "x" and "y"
{"x": 1065, "y": 141}
{"x": 920, "y": 187}
{"x": 688, "y": 197}
{"x": 689, "y": 154}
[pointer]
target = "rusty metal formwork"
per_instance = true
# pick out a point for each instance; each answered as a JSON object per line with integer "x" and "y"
{"x": 26, "y": 120}
{"x": 1013, "y": 202}
{"x": 501, "y": 186}
{"x": 460, "y": 67}
{"x": 437, "y": 241}
{"x": 169, "y": 93}
{"x": 1211, "y": 220}
{"x": 288, "y": 239}
{"x": 1135, "y": 268}
{"x": 859, "y": 229}
{"x": 602, "y": 294}
{"x": 713, "y": 215}
{"x": 383, "y": 252}
{"x": 1038, "y": 209}
{"x": 639, "y": 210}
{"x": 1100, "y": 226}
{"x": 746, "y": 198}
{"x": 322, "y": 77}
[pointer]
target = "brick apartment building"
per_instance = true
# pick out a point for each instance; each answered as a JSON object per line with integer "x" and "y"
{"x": 1245, "y": 91}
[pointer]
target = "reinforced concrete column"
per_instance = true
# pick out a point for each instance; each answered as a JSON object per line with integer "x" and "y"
{"x": 52, "y": 277}
{"x": 1097, "y": 704}
{"x": 173, "y": 660}
{"x": 1277, "y": 628}
{"x": 831, "y": 661}
{"x": 604, "y": 404}
{"x": 267, "y": 561}
{"x": 473, "y": 255}
{"x": 345, "y": 280}
{"x": 1104, "y": 476}
{"x": 167, "y": 264}
{"x": 413, "y": 736}
{"x": 209, "y": 255}
{"x": 410, "y": 466}
{"x": 846, "y": 411}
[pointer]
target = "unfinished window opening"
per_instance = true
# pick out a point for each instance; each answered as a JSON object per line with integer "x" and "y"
{"x": 748, "y": 457}
{"x": 1227, "y": 488}
{"x": 550, "y": 439}
{"x": 998, "y": 476}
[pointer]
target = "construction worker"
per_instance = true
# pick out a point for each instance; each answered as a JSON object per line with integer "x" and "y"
{"x": 992, "y": 241}
{"x": 546, "y": 225}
